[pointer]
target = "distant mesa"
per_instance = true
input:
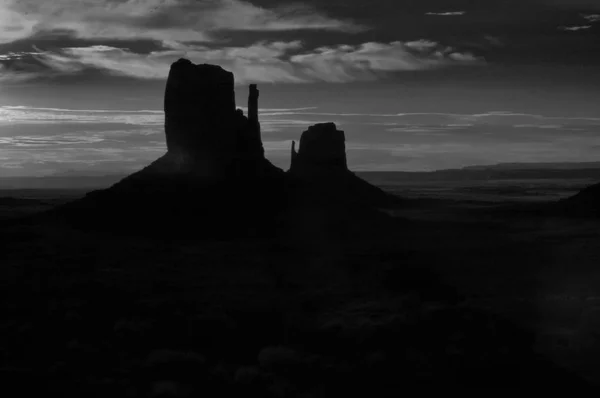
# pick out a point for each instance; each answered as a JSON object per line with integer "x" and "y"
{"x": 214, "y": 177}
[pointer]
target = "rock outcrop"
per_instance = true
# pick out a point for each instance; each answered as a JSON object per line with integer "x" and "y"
{"x": 320, "y": 165}
{"x": 322, "y": 149}
{"x": 204, "y": 130}
{"x": 200, "y": 113}
{"x": 214, "y": 178}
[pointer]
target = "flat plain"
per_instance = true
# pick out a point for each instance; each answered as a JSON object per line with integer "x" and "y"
{"x": 471, "y": 287}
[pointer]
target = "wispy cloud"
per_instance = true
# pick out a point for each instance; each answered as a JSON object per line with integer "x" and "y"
{"x": 99, "y": 139}
{"x": 10, "y": 76}
{"x": 280, "y": 111}
{"x": 17, "y": 114}
{"x": 539, "y": 126}
{"x": 499, "y": 118}
{"x": 447, "y": 13}
{"x": 45, "y": 161}
{"x": 176, "y": 20}
{"x": 31, "y": 108}
{"x": 32, "y": 147}
{"x": 575, "y": 28}
{"x": 45, "y": 141}
{"x": 239, "y": 15}
{"x": 592, "y": 17}
{"x": 24, "y": 114}
{"x": 263, "y": 61}
{"x": 14, "y": 23}
{"x": 11, "y": 55}
{"x": 368, "y": 61}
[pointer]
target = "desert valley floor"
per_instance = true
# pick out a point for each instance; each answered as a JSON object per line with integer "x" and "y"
{"x": 472, "y": 289}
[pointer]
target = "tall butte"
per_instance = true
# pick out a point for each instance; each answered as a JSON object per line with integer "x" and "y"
{"x": 204, "y": 130}
{"x": 214, "y": 175}
{"x": 200, "y": 113}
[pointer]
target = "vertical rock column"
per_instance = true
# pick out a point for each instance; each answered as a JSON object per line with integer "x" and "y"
{"x": 200, "y": 114}
{"x": 253, "y": 104}
{"x": 253, "y": 123}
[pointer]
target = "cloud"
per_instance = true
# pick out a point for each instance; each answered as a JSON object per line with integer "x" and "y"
{"x": 31, "y": 115}
{"x": 14, "y": 25}
{"x": 175, "y": 20}
{"x": 421, "y": 45}
{"x": 277, "y": 61}
{"x": 33, "y": 108}
{"x": 28, "y": 161}
{"x": 370, "y": 60}
{"x": 424, "y": 129}
{"x": 280, "y": 111}
{"x": 447, "y": 14}
{"x": 446, "y": 120}
{"x": 575, "y": 28}
{"x": 262, "y": 62}
{"x": 494, "y": 41}
{"x": 118, "y": 60}
{"x": 14, "y": 114}
{"x": 239, "y": 15}
{"x": 592, "y": 17}
{"x": 44, "y": 141}
{"x": 30, "y": 149}
{"x": 15, "y": 77}
{"x": 11, "y": 55}
{"x": 539, "y": 126}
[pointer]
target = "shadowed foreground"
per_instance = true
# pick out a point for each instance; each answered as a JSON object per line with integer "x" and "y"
{"x": 376, "y": 311}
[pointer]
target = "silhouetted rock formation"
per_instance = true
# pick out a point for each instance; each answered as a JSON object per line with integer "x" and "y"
{"x": 204, "y": 130}
{"x": 214, "y": 178}
{"x": 321, "y": 164}
{"x": 199, "y": 104}
{"x": 214, "y": 175}
{"x": 253, "y": 123}
{"x": 322, "y": 149}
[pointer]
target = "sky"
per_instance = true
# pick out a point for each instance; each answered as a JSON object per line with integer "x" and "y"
{"x": 415, "y": 84}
